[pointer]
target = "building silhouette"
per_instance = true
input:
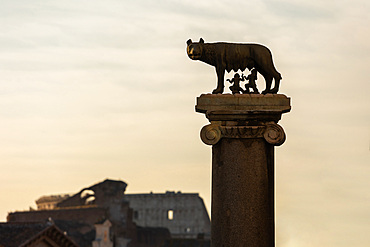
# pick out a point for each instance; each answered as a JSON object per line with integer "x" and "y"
{"x": 104, "y": 214}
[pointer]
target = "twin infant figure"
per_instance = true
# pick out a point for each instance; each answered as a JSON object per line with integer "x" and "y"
{"x": 235, "y": 88}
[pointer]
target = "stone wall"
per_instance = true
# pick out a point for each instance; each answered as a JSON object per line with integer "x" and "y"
{"x": 90, "y": 215}
{"x": 184, "y": 214}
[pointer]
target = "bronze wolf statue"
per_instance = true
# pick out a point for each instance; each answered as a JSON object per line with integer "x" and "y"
{"x": 231, "y": 56}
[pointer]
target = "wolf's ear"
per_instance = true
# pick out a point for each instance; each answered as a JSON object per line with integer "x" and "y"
{"x": 201, "y": 41}
{"x": 189, "y": 42}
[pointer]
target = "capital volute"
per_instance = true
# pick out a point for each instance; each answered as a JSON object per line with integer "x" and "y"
{"x": 211, "y": 134}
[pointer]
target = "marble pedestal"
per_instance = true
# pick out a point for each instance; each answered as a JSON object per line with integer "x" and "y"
{"x": 243, "y": 131}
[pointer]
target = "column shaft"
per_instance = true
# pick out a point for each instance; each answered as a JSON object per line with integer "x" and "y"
{"x": 243, "y": 193}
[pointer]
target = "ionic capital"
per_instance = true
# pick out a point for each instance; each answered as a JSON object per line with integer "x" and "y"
{"x": 273, "y": 133}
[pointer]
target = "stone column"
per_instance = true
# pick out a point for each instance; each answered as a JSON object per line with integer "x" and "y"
{"x": 243, "y": 131}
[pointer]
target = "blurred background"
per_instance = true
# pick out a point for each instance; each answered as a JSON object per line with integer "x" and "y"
{"x": 104, "y": 89}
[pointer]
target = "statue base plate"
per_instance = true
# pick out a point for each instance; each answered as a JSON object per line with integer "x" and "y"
{"x": 218, "y": 107}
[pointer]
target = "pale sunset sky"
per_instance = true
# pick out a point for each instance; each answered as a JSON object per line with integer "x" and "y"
{"x": 91, "y": 90}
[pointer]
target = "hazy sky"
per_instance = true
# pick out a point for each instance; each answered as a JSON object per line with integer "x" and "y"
{"x": 104, "y": 89}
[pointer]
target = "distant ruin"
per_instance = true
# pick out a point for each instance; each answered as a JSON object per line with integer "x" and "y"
{"x": 50, "y": 202}
{"x": 184, "y": 214}
{"x": 90, "y": 206}
{"x": 136, "y": 220}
